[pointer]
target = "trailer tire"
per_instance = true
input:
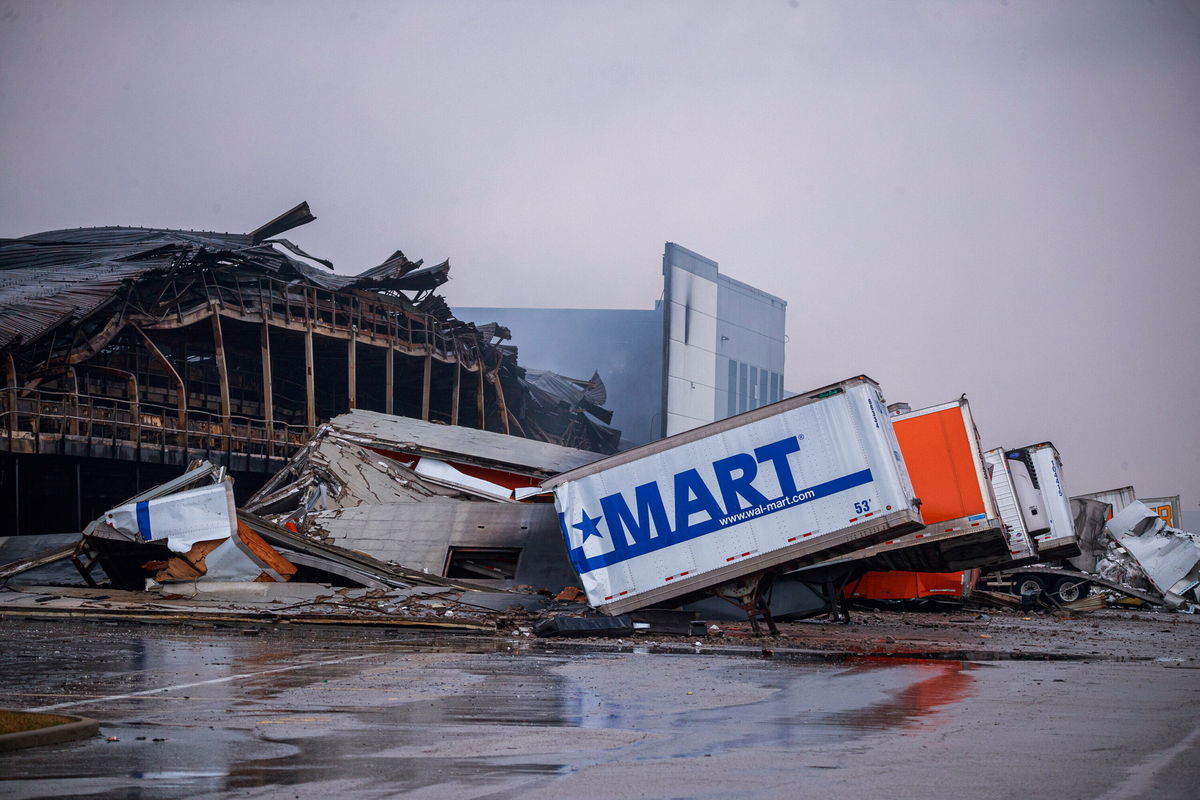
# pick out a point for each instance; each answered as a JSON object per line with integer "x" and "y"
{"x": 1028, "y": 583}
{"x": 1068, "y": 590}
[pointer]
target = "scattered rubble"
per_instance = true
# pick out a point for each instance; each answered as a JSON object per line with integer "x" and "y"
{"x": 182, "y": 551}
{"x": 396, "y": 522}
{"x": 1167, "y": 557}
{"x": 438, "y": 498}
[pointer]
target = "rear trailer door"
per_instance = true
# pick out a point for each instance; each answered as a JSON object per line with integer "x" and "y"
{"x": 941, "y": 451}
{"x": 1020, "y": 544}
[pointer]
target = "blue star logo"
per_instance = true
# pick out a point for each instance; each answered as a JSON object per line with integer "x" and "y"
{"x": 588, "y": 526}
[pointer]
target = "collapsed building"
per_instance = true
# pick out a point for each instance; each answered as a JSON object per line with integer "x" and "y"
{"x": 447, "y": 501}
{"x": 130, "y": 352}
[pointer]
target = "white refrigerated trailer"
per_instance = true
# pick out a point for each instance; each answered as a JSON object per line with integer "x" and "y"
{"x": 717, "y": 508}
{"x": 1054, "y": 535}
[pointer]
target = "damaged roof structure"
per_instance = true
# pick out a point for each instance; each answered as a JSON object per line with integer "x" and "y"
{"x": 157, "y": 347}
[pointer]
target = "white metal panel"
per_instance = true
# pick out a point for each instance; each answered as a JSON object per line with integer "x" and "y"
{"x": 1029, "y": 498}
{"x": 1058, "y": 505}
{"x": 1117, "y": 498}
{"x": 1020, "y": 543}
{"x": 418, "y": 535}
{"x": 1166, "y": 507}
{"x": 448, "y": 474}
{"x": 687, "y": 407}
{"x": 1169, "y": 557}
{"x": 228, "y": 562}
{"x": 771, "y": 483}
{"x": 456, "y": 443}
{"x": 691, "y": 350}
{"x": 182, "y": 519}
{"x": 985, "y": 485}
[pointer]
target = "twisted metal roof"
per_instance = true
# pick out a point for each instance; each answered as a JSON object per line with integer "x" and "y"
{"x": 56, "y": 277}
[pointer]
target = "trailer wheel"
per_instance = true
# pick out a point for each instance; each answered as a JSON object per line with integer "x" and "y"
{"x": 1028, "y": 584}
{"x": 1069, "y": 590}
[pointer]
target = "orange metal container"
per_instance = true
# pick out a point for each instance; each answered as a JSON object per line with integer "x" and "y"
{"x": 941, "y": 449}
{"x": 897, "y": 585}
{"x": 945, "y": 463}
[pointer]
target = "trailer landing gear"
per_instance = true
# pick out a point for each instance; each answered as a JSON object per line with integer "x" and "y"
{"x": 748, "y": 594}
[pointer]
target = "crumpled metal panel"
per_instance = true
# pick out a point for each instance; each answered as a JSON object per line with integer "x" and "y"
{"x": 1169, "y": 557}
{"x": 522, "y": 456}
{"x": 397, "y": 272}
{"x": 35, "y": 299}
{"x": 50, "y": 278}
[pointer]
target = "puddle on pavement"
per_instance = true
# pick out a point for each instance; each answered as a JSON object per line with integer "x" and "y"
{"x": 380, "y": 746}
{"x": 810, "y": 702}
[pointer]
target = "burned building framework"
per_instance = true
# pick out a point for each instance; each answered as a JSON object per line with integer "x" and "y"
{"x": 133, "y": 350}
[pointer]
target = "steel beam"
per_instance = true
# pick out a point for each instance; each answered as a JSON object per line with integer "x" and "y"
{"x": 352, "y": 369}
{"x": 310, "y": 399}
{"x": 222, "y": 373}
{"x": 426, "y": 381}
{"x": 389, "y": 379}
{"x": 268, "y": 392}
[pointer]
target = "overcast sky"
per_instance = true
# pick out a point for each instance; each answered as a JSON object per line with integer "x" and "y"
{"x": 998, "y": 198}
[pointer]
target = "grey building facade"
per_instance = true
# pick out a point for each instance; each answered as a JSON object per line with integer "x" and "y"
{"x": 710, "y": 348}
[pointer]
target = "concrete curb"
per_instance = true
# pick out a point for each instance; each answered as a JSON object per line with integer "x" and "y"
{"x": 78, "y": 728}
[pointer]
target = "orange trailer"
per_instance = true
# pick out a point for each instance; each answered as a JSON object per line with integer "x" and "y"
{"x": 941, "y": 449}
{"x": 904, "y": 585}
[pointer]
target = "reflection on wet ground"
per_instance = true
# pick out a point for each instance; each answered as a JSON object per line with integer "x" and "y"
{"x": 389, "y": 716}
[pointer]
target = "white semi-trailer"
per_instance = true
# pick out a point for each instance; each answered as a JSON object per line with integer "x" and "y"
{"x": 1021, "y": 546}
{"x": 1055, "y": 534}
{"x": 718, "y": 507}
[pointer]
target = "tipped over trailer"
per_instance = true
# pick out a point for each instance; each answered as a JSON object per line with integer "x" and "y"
{"x": 1041, "y": 523}
{"x": 722, "y": 508}
{"x": 1024, "y": 488}
{"x": 963, "y": 527}
{"x": 1044, "y": 500}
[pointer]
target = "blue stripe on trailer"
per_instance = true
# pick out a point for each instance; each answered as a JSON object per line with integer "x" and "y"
{"x": 583, "y": 564}
{"x": 143, "y": 518}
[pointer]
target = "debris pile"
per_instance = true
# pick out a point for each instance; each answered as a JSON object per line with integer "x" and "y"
{"x": 393, "y": 521}
{"x": 1168, "y": 558}
{"x": 377, "y": 520}
{"x": 439, "y": 499}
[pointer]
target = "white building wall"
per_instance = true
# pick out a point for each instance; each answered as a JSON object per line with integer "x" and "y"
{"x": 691, "y": 350}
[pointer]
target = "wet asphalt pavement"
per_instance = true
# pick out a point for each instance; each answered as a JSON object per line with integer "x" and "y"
{"x": 291, "y": 713}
